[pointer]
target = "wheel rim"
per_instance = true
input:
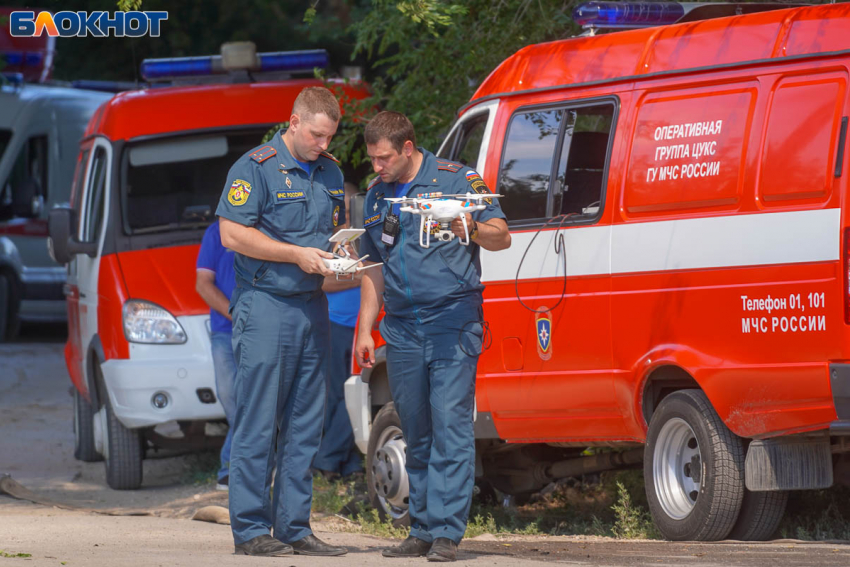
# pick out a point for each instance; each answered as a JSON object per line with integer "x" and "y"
{"x": 389, "y": 474}
{"x": 101, "y": 433}
{"x": 677, "y": 468}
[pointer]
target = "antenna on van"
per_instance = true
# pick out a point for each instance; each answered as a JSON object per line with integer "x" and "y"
{"x": 560, "y": 246}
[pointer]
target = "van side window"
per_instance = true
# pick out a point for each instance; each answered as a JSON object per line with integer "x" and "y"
{"x": 30, "y": 166}
{"x": 581, "y": 166}
{"x": 526, "y": 169}
{"x": 465, "y": 145}
{"x": 800, "y": 143}
{"x": 96, "y": 194}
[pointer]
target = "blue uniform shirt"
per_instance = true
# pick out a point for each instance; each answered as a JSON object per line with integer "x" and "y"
{"x": 344, "y": 307}
{"x": 425, "y": 283}
{"x": 217, "y": 259}
{"x": 268, "y": 190}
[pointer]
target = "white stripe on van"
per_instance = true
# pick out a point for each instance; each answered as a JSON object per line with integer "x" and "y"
{"x": 713, "y": 242}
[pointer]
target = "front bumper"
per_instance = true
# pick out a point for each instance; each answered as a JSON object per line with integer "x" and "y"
{"x": 178, "y": 371}
{"x": 358, "y": 404}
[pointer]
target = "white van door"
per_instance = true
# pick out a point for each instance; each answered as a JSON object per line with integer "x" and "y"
{"x": 95, "y": 203}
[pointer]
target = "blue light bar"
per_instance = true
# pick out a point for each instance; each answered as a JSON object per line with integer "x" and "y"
{"x": 627, "y": 14}
{"x": 13, "y": 58}
{"x": 23, "y": 58}
{"x": 14, "y": 79}
{"x": 164, "y": 69}
{"x": 33, "y": 59}
{"x": 153, "y": 69}
{"x": 293, "y": 60}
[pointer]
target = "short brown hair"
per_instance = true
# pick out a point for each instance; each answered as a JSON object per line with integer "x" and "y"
{"x": 316, "y": 100}
{"x": 391, "y": 126}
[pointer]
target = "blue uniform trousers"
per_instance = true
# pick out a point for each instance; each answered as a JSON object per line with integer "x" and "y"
{"x": 338, "y": 453}
{"x": 432, "y": 381}
{"x": 280, "y": 345}
{"x": 225, "y": 377}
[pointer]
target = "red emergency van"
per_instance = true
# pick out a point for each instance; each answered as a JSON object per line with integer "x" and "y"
{"x": 150, "y": 172}
{"x": 677, "y": 287}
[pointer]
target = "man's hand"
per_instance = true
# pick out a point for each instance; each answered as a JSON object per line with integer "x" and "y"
{"x": 310, "y": 260}
{"x": 364, "y": 350}
{"x": 457, "y": 226}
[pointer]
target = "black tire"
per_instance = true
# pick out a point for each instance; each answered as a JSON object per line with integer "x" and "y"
{"x": 6, "y": 311}
{"x": 84, "y": 430}
{"x": 124, "y": 454}
{"x": 761, "y": 514}
{"x": 385, "y": 488}
{"x": 696, "y": 499}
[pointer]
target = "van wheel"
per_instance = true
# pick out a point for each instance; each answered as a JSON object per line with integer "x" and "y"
{"x": 84, "y": 449}
{"x": 693, "y": 469}
{"x": 123, "y": 454}
{"x": 761, "y": 514}
{"x": 386, "y": 476}
{"x": 8, "y": 316}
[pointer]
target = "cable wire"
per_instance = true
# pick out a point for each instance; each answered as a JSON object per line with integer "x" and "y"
{"x": 559, "y": 247}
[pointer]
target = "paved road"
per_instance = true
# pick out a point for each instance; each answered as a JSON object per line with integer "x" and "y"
{"x": 36, "y": 448}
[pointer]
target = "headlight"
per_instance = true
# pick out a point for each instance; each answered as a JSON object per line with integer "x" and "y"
{"x": 146, "y": 322}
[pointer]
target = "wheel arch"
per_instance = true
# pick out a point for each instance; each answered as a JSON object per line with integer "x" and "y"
{"x": 94, "y": 380}
{"x": 659, "y": 383}
{"x": 378, "y": 379}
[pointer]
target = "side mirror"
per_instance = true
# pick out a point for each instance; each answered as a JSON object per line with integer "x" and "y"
{"x": 62, "y": 245}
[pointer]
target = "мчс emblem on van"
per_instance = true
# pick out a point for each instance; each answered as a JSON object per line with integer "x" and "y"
{"x": 543, "y": 327}
{"x": 239, "y": 192}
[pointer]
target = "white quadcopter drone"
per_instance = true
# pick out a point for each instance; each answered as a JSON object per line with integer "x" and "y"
{"x": 437, "y": 211}
{"x": 344, "y": 264}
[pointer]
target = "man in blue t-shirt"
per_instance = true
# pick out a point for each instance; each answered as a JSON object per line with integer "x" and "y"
{"x": 215, "y": 282}
{"x": 338, "y": 455}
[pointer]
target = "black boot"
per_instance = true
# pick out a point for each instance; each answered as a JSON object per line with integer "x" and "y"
{"x": 264, "y": 546}
{"x": 411, "y": 547}
{"x": 443, "y": 549}
{"x": 311, "y": 545}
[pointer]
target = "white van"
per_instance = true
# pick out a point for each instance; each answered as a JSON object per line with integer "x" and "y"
{"x": 40, "y": 132}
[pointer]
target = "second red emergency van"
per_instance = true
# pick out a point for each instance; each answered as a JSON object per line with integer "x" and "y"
{"x": 677, "y": 288}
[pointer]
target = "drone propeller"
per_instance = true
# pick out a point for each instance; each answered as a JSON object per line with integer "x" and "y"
{"x": 475, "y": 196}
{"x": 401, "y": 199}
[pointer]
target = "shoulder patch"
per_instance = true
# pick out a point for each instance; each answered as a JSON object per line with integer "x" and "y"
{"x": 330, "y": 157}
{"x": 374, "y": 182}
{"x": 443, "y": 165}
{"x": 263, "y": 154}
{"x": 239, "y": 192}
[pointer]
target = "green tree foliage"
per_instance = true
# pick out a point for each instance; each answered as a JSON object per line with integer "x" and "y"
{"x": 427, "y": 57}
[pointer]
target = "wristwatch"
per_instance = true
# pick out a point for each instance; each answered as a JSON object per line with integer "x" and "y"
{"x": 473, "y": 234}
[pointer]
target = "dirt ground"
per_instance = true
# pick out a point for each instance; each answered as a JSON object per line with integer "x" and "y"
{"x": 36, "y": 449}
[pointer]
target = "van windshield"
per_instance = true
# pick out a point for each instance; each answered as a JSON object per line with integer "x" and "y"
{"x": 175, "y": 183}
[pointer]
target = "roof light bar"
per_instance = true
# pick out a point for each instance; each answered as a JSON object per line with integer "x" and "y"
{"x": 23, "y": 58}
{"x": 14, "y": 79}
{"x": 279, "y": 61}
{"x": 626, "y": 15}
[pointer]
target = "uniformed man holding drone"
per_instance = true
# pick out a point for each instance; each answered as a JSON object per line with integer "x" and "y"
{"x": 433, "y": 325}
